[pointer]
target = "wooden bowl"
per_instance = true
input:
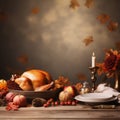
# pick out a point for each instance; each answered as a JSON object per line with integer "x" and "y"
{"x": 38, "y": 94}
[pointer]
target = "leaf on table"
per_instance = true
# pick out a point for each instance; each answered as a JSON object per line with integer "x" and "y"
{"x": 3, "y": 16}
{"x": 74, "y": 4}
{"x": 23, "y": 59}
{"x": 81, "y": 76}
{"x": 87, "y": 41}
{"x": 89, "y": 3}
{"x": 12, "y": 106}
{"x": 35, "y": 10}
{"x": 103, "y": 18}
{"x": 112, "y": 26}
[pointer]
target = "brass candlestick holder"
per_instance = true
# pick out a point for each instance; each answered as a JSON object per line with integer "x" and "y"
{"x": 93, "y": 76}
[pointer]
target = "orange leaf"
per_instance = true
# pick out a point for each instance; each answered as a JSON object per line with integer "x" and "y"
{"x": 3, "y": 16}
{"x": 74, "y": 4}
{"x": 117, "y": 44}
{"x": 88, "y": 40}
{"x": 81, "y": 76}
{"x": 35, "y": 10}
{"x": 103, "y": 18}
{"x": 89, "y": 3}
{"x": 112, "y": 26}
{"x": 78, "y": 86}
{"x": 22, "y": 59}
{"x": 13, "y": 70}
{"x": 100, "y": 70}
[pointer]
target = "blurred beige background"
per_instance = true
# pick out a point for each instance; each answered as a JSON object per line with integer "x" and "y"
{"x": 49, "y": 35}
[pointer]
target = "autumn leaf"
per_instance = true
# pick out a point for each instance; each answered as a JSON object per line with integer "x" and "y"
{"x": 78, "y": 86}
{"x": 89, "y": 3}
{"x": 3, "y": 16}
{"x": 35, "y": 10}
{"x": 81, "y": 76}
{"x": 117, "y": 44}
{"x": 23, "y": 59}
{"x": 88, "y": 40}
{"x": 74, "y": 4}
{"x": 112, "y": 26}
{"x": 100, "y": 70}
{"x": 103, "y": 18}
{"x": 12, "y": 70}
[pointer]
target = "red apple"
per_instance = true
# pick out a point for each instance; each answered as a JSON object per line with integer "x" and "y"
{"x": 70, "y": 89}
{"x": 20, "y": 100}
{"x": 9, "y": 96}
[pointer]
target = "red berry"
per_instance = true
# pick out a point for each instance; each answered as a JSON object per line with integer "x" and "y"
{"x": 61, "y": 103}
{"x": 73, "y": 103}
{"x": 56, "y": 103}
{"x": 76, "y": 101}
{"x": 50, "y": 100}
{"x": 45, "y": 105}
{"x": 65, "y": 102}
{"x": 69, "y": 102}
{"x": 53, "y": 103}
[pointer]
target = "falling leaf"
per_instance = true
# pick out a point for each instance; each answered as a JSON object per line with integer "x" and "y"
{"x": 13, "y": 70}
{"x": 89, "y": 3}
{"x": 88, "y": 40}
{"x": 112, "y": 26}
{"x": 3, "y": 16}
{"x": 74, "y": 4}
{"x": 117, "y": 44}
{"x": 35, "y": 10}
{"x": 103, "y": 18}
{"x": 23, "y": 59}
{"x": 81, "y": 76}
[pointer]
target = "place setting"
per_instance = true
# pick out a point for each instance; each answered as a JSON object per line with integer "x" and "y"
{"x": 97, "y": 99}
{"x": 100, "y": 95}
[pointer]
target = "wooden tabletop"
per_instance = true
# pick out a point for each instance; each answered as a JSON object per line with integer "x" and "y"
{"x": 60, "y": 113}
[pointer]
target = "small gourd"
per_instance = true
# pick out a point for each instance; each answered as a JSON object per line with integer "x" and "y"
{"x": 3, "y": 84}
{"x": 65, "y": 96}
{"x": 38, "y": 102}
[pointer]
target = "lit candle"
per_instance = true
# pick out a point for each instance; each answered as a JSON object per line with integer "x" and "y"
{"x": 93, "y": 60}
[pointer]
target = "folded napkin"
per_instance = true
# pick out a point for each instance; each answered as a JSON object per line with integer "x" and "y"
{"x": 102, "y": 88}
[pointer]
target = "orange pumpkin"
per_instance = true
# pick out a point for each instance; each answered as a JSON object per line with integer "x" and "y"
{"x": 3, "y": 84}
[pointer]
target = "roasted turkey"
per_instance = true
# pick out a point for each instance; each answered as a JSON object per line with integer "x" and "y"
{"x": 33, "y": 79}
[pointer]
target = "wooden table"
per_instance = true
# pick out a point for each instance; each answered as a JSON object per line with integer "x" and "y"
{"x": 60, "y": 113}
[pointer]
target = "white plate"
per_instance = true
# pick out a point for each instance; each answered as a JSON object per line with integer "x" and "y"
{"x": 95, "y": 97}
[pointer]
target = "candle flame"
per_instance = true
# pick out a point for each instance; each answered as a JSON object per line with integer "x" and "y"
{"x": 93, "y": 54}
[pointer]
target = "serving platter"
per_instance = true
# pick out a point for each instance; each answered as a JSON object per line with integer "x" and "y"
{"x": 38, "y": 94}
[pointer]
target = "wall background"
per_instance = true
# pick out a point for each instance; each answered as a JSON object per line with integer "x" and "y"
{"x": 49, "y": 35}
